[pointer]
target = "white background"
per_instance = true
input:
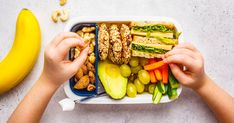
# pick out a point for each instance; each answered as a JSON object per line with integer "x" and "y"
{"x": 209, "y": 25}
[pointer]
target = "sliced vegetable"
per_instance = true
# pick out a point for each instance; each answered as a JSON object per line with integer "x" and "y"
{"x": 154, "y": 65}
{"x": 161, "y": 87}
{"x": 172, "y": 93}
{"x": 156, "y": 96}
{"x": 152, "y": 77}
{"x": 166, "y": 88}
{"x": 165, "y": 74}
{"x": 173, "y": 81}
{"x": 158, "y": 74}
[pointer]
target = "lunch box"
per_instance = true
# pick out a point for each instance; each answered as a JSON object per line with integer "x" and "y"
{"x": 77, "y": 23}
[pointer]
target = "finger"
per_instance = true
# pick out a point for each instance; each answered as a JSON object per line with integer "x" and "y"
{"x": 79, "y": 61}
{"x": 181, "y": 51}
{"x": 60, "y": 37}
{"x": 186, "y": 45}
{"x": 178, "y": 73}
{"x": 182, "y": 59}
{"x": 64, "y": 47}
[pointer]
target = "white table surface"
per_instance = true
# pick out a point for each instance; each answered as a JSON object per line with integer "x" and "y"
{"x": 208, "y": 24}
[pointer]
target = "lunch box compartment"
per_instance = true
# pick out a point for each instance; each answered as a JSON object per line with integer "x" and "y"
{"x": 72, "y": 82}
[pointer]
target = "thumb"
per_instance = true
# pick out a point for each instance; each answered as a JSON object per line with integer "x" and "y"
{"x": 79, "y": 61}
{"x": 178, "y": 73}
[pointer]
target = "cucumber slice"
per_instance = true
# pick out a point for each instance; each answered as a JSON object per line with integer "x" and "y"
{"x": 161, "y": 87}
{"x": 174, "y": 83}
{"x": 172, "y": 93}
{"x": 157, "y": 96}
{"x": 166, "y": 88}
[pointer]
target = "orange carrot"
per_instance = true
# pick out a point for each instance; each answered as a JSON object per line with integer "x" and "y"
{"x": 165, "y": 73}
{"x": 154, "y": 65}
{"x": 152, "y": 76}
{"x": 158, "y": 74}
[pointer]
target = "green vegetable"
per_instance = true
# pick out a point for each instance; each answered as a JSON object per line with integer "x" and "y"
{"x": 156, "y": 96}
{"x": 168, "y": 41}
{"x": 152, "y": 28}
{"x": 166, "y": 88}
{"x": 161, "y": 87}
{"x": 172, "y": 93}
{"x": 173, "y": 81}
{"x": 148, "y": 49}
{"x": 177, "y": 35}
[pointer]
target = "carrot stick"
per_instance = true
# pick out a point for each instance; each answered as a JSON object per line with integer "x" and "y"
{"x": 152, "y": 76}
{"x": 154, "y": 65}
{"x": 165, "y": 74}
{"x": 158, "y": 74}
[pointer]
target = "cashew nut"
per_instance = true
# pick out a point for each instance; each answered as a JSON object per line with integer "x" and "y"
{"x": 82, "y": 83}
{"x": 55, "y": 15}
{"x": 77, "y": 52}
{"x": 80, "y": 33}
{"x": 92, "y": 59}
{"x": 63, "y": 2}
{"x": 91, "y": 87}
{"x": 88, "y": 29}
{"x": 64, "y": 15}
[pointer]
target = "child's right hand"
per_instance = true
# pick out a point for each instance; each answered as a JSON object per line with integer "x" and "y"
{"x": 187, "y": 55}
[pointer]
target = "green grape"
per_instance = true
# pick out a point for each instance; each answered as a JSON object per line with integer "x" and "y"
{"x": 139, "y": 86}
{"x": 134, "y": 61}
{"x": 136, "y": 69}
{"x": 125, "y": 70}
{"x": 131, "y": 90}
{"x": 143, "y": 61}
{"x": 151, "y": 88}
{"x": 144, "y": 76}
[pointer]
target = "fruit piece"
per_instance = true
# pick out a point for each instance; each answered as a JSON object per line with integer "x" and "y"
{"x": 125, "y": 70}
{"x": 134, "y": 61}
{"x": 151, "y": 88}
{"x": 139, "y": 86}
{"x": 24, "y": 52}
{"x": 144, "y": 76}
{"x": 136, "y": 69}
{"x": 143, "y": 61}
{"x": 114, "y": 83}
{"x": 131, "y": 90}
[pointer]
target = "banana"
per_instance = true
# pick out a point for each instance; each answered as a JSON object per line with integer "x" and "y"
{"x": 24, "y": 52}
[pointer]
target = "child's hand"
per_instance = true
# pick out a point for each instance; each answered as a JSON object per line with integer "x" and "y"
{"x": 57, "y": 69}
{"x": 186, "y": 55}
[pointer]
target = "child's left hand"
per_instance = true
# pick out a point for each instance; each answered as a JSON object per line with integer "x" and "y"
{"x": 57, "y": 69}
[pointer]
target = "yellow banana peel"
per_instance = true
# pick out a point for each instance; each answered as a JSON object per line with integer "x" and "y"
{"x": 24, "y": 52}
